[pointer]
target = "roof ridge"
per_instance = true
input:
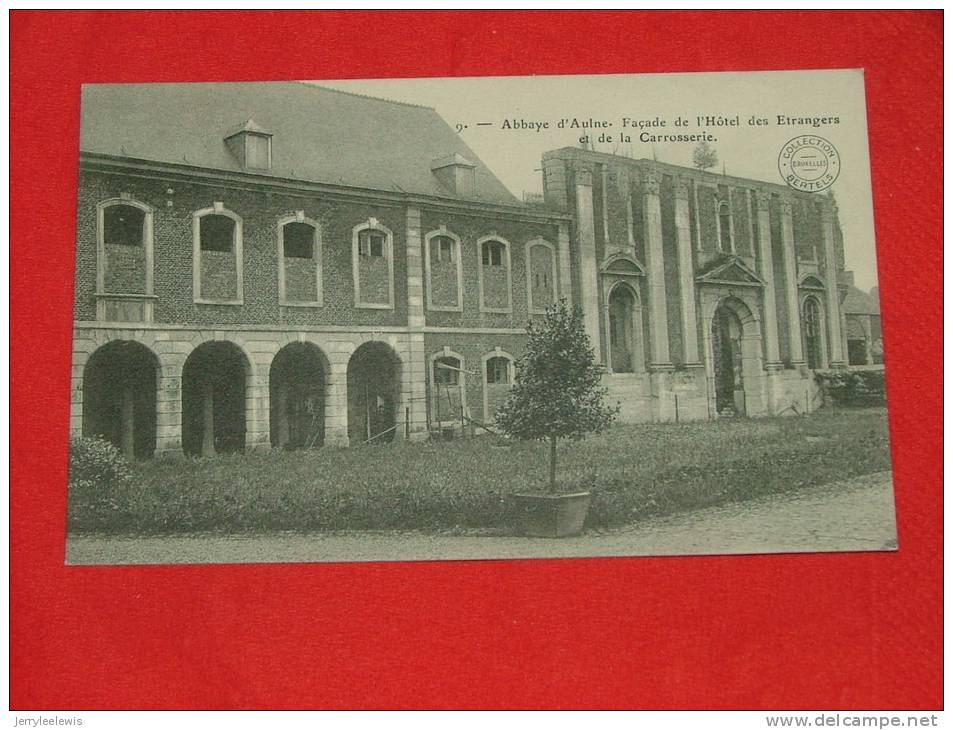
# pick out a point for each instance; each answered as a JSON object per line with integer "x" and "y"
{"x": 313, "y": 85}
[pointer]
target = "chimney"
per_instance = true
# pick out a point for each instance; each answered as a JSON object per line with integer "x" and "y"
{"x": 456, "y": 173}
{"x": 849, "y": 277}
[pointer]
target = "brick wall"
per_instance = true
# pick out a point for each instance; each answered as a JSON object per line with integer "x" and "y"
{"x": 260, "y": 212}
{"x": 374, "y": 279}
{"x": 300, "y": 279}
{"x": 219, "y": 275}
{"x": 541, "y": 276}
{"x": 443, "y": 282}
{"x": 470, "y": 228}
{"x": 125, "y": 269}
{"x": 472, "y": 348}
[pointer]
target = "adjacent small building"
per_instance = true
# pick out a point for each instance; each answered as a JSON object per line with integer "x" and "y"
{"x": 280, "y": 265}
{"x": 863, "y": 332}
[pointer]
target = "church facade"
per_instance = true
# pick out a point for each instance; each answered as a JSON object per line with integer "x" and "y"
{"x": 259, "y": 266}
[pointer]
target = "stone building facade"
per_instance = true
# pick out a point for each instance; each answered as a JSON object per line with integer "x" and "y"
{"x": 705, "y": 295}
{"x": 272, "y": 265}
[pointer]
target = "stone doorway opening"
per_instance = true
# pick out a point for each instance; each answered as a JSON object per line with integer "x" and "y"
{"x": 214, "y": 383}
{"x": 624, "y": 330}
{"x": 726, "y": 344}
{"x": 119, "y": 397}
{"x": 373, "y": 390}
{"x": 296, "y": 387}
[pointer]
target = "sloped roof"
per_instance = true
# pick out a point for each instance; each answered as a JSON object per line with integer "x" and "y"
{"x": 858, "y": 301}
{"x": 319, "y": 135}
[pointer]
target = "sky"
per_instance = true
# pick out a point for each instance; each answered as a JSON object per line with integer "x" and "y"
{"x": 483, "y": 106}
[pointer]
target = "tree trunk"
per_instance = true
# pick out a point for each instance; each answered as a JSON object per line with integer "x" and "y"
{"x": 552, "y": 464}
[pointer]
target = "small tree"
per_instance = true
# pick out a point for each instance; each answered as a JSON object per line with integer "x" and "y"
{"x": 704, "y": 157}
{"x": 557, "y": 392}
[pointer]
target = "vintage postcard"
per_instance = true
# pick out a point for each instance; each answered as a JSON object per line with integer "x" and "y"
{"x": 477, "y": 318}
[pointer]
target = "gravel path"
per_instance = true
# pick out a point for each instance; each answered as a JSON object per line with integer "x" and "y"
{"x": 856, "y": 514}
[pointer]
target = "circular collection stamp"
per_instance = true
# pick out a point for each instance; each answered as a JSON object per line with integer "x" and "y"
{"x": 809, "y": 163}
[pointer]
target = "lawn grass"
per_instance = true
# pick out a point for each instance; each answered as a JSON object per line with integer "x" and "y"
{"x": 634, "y": 472}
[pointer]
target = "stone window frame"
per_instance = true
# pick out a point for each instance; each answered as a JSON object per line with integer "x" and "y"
{"x": 461, "y": 383}
{"x": 372, "y": 224}
{"x": 543, "y": 243}
{"x": 218, "y": 208}
{"x": 148, "y": 244}
{"x": 822, "y": 335}
{"x": 318, "y": 301}
{"x": 496, "y": 352}
{"x": 443, "y": 232}
{"x": 507, "y": 246}
{"x": 725, "y": 204}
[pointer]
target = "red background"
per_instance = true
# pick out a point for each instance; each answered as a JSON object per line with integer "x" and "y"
{"x": 780, "y": 631}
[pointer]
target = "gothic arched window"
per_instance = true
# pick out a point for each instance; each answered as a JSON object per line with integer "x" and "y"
{"x": 812, "y": 333}
{"x": 724, "y": 228}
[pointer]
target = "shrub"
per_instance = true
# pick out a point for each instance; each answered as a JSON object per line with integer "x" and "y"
{"x": 853, "y": 387}
{"x": 97, "y": 474}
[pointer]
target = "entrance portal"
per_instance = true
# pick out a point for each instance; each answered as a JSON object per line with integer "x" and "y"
{"x": 726, "y": 351}
{"x": 296, "y": 393}
{"x": 213, "y": 400}
{"x": 623, "y": 352}
{"x": 119, "y": 397}
{"x": 373, "y": 388}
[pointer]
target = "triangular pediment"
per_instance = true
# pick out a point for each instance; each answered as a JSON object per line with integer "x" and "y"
{"x": 811, "y": 282}
{"x": 730, "y": 271}
{"x": 622, "y": 265}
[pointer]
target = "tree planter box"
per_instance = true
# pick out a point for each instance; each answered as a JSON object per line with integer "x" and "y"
{"x": 557, "y": 515}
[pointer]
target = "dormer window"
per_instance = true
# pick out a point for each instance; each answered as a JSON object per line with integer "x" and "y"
{"x": 456, "y": 174}
{"x": 258, "y": 151}
{"x": 250, "y": 144}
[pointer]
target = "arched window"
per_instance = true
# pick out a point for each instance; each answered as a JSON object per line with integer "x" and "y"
{"x": 124, "y": 261}
{"x": 217, "y": 256}
{"x": 299, "y": 262}
{"x": 497, "y": 380}
{"x": 498, "y": 371}
{"x": 444, "y": 271}
{"x": 448, "y": 383}
{"x": 725, "y": 241}
{"x": 812, "y": 333}
{"x": 372, "y": 261}
{"x": 495, "y": 278}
